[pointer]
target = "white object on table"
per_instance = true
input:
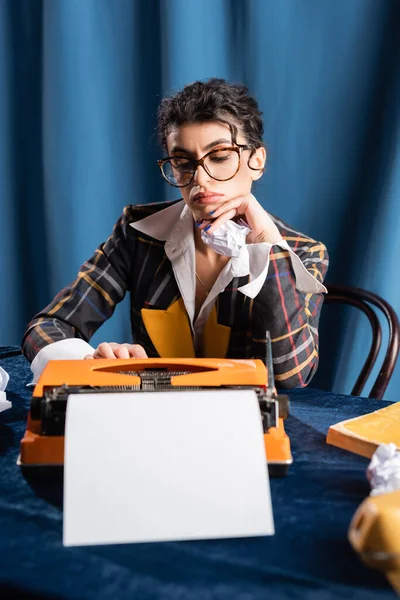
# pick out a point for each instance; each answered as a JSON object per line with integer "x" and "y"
{"x": 4, "y": 379}
{"x": 383, "y": 471}
{"x": 159, "y": 466}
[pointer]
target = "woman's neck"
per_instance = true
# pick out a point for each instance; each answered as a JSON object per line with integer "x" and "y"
{"x": 208, "y": 265}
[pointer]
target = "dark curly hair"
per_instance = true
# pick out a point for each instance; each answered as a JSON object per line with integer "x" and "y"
{"x": 212, "y": 100}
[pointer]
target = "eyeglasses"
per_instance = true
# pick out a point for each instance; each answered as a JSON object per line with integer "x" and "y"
{"x": 221, "y": 164}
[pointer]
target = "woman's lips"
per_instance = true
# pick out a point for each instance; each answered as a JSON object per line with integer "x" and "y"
{"x": 207, "y": 198}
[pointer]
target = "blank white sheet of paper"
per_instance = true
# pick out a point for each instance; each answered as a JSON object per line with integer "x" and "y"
{"x": 163, "y": 466}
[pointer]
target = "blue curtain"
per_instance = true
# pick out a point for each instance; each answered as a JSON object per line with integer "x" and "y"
{"x": 80, "y": 81}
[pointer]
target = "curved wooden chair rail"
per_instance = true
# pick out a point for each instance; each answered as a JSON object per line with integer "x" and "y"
{"x": 362, "y": 299}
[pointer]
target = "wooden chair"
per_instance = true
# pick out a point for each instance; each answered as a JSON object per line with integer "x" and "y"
{"x": 363, "y": 300}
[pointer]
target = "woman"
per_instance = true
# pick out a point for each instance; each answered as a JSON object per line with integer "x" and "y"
{"x": 208, "y": 274}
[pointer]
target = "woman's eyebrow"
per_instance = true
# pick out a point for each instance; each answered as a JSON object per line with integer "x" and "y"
{"x": 179, "y": 149}
{"x": 208, "y": 147}
{"x": 217, "y": 143}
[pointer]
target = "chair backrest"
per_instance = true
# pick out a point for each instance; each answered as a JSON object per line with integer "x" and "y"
{"x": 362, "y": 299}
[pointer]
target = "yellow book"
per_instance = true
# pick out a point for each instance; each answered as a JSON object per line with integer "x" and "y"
{"x": 362, "y": 435}
{"x": 374, "y": 531}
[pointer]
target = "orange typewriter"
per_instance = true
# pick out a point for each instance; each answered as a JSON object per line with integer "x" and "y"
{"x": 43, "y": 442}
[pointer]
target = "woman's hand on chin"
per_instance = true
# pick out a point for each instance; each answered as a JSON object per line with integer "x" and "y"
{"x": 263, "y": 229}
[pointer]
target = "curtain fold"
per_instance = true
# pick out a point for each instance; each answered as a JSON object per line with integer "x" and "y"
{"x": 80, "y": 84}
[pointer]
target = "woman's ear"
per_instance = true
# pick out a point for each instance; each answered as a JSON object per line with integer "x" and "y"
{"x": 257, "y": 162}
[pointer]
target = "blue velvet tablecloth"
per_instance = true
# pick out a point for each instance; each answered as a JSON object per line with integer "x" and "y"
{"x": 309, "y": 556}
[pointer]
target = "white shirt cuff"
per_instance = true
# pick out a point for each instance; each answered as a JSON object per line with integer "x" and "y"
{"x": 259, "y": 264}
{"x": 70, "y": 349}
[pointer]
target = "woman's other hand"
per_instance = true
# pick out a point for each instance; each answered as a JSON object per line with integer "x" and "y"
{"x": 114, "y": 350}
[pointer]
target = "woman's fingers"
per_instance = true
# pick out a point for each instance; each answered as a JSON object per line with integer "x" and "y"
{"x": 121, "y": 351}
{"x": 114, "y": 350}
{"x": 105, "y": 350}
{"x": 136, "y": 351}
{"x": 226, "y": 216}
{"x": 228, "y": 206}
{"x": 228, "y": 210}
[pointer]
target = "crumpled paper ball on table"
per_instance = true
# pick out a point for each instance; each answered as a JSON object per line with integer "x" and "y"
{"x": 4, "y": 379}
{"x": 383, "y": 471}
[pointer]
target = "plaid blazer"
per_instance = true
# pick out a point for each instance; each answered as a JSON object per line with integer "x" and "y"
{"x": 135, "y": 262}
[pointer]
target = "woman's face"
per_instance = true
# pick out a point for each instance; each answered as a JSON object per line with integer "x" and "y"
{"x": 204, "y": 194}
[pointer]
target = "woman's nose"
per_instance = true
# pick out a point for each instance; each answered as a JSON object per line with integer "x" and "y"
{"x": 201, "y": 177}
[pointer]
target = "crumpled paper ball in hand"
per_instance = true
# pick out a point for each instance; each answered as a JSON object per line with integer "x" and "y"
{"x": 228, "y": 239}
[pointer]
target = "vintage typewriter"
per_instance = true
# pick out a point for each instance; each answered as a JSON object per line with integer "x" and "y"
{"x": 43, "y": 442}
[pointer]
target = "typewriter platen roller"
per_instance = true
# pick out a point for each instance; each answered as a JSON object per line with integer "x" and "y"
{"x": 43, "y": 442}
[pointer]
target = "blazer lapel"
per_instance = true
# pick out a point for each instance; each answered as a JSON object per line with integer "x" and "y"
{"x": 169, "y": 330}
